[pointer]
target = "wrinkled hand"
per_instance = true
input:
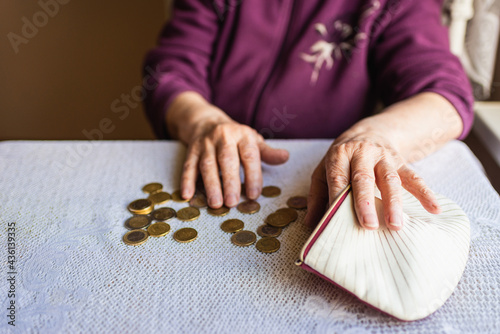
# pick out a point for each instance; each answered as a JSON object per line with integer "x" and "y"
{"x": 366, "y": 160}
{"x": 223, "y": 147}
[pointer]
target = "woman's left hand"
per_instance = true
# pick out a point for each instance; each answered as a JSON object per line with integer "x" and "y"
{"x": 365, "y": 159}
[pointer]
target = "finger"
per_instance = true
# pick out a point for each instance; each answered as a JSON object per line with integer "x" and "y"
{"x": 229, "y": 163}
{"x": 363, "y": 184}
{"x": 273, "y": 156}
{"x": 389, "y": 184}
{"x": 337, "y": 171}
{"x": 210, "y": 174}
{"x": 417, "y": 187}
{"x": 250, "y": 159}
{"x": 317, "y": 200}
{"x": 190, "y": 172}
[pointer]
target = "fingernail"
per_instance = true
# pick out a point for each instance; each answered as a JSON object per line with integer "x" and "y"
{"x": 231, "y": 200}
{"x": 253, "y": 193}
{"x": 396, "y": 220}
{"x": 185, "y": 193}
{"x": 370, "y": 220}
{"x": 215, "y": 201}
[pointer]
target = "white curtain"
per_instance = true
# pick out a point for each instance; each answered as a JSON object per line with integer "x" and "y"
{"x": 474, "y": 32}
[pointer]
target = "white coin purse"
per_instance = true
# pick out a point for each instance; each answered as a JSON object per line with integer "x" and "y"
{"x": 407, "y": 274}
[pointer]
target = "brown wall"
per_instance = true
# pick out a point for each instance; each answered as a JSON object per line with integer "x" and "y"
{"x": 65, "y": 78}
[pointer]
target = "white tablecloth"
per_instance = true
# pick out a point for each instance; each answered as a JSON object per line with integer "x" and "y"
{"x": 74, "y": 273}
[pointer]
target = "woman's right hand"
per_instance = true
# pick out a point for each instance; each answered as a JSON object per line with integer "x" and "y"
{"x": 216, "y": 144}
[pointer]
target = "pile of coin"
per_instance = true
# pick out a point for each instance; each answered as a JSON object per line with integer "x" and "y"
{"x": 273, "y": 226}
{"x": 141, "y": 226}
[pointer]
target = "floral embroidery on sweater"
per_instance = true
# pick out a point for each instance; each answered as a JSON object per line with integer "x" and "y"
{"x": 326, "y": 53}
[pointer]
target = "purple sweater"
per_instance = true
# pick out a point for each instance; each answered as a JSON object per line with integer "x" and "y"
{"x": 304, "y": 68}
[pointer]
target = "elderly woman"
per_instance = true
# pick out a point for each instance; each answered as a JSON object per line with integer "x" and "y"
{"x": 235, "y": 71}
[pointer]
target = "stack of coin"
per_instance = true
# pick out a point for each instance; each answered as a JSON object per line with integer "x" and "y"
{"x": 144, "y": 215}
{"x": 141, "y": 207}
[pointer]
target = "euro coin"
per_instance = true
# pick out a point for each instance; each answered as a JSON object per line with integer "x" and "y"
{"x": 222, "y": 211}
{"x": 297, "y": 202}
{"x": 159, "y": 198}
{"x": 277, "y": 220}
{"x": 186, "y": 234}
{"x": 199, "y": 201}
{"x": 135, "y": 237}
{"x": 271, "y": 191}
{"x": 268, "y": 231}
{"x": 290, "y": 213}
{"x": 141, "y": 207}
{"x": 163, "y": 214}
{"x": 152, "y": 188}
{"x": 243, "y": 238}
{"x": 268, "y": 245}
{"x": 188, "y": 214}
{"x": 158, "y": 229}
{"x": 137, "y": 222}
{"x": 177, "y": 197}
{"x": 232, "y": 225}
{"x": 248, "y": 207}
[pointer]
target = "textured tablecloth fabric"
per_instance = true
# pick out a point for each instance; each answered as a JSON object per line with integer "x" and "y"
{"x": 75, "y": 274}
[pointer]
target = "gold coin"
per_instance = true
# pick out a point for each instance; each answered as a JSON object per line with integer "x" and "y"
{"x": 135, "y": 237}
{"x": 186, "y": 234}
{"x": 199, "y": 201}
{"x": 290, "y": 213}
{"x": 249, "y": 206}
{"x": 268, "y": 231}
{"x": 277, "y": 220}
{"x": 222, "y": 211}
{"x": 177, "y": 197}
{"x": 271, "y": 191}
{"x": 232, "y": 225}
{"x": 137, "y": 222}
{"x": 243, "y": 238}
{"x": 268, "y": 245}
{"x": 163, "y": 214}
{"x": 297, "y": 202}
{"x": 158, "y": 229}
{"x": 159, "y": 198}
{"x": 152, "y": 188}
{"x": 188, "y": 214}
{"x": 141, "y": 207}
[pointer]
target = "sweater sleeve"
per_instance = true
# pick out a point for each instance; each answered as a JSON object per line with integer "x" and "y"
{"x": 180, "y": 61}
{"x": 411, "y": 55}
